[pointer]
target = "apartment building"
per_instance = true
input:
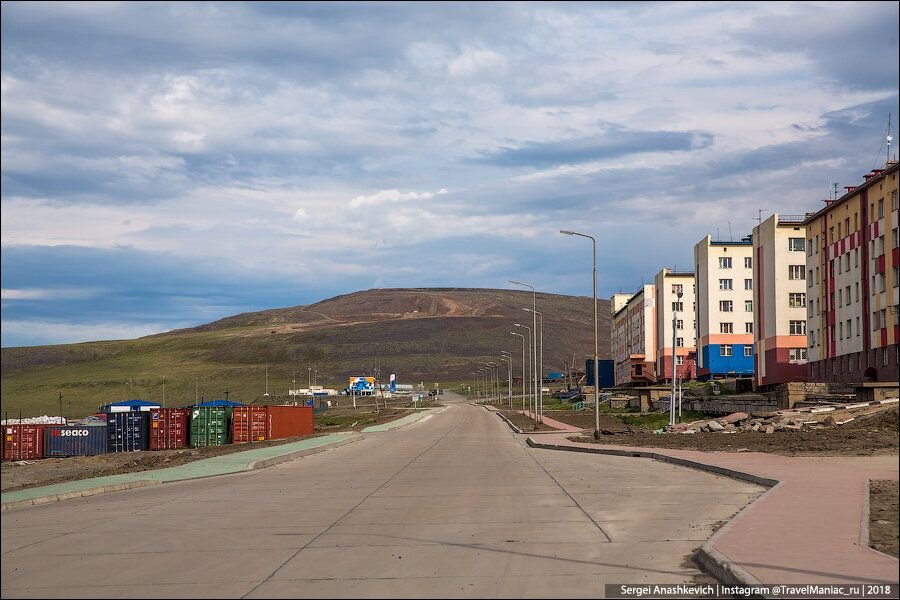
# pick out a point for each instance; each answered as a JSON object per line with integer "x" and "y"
{"x": 723, "y": 271}
{"x": 853, "y": 285}
{"x": 668, "y": 284}
{"x": 634, "y": 337}
{"x": 779, "y": 300}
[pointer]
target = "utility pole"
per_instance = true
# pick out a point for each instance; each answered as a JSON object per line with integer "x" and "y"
{"x": 674, "y": 363}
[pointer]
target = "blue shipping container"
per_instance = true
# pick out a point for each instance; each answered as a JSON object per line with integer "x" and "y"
{"x": 128, "y": 431}
{"x": 605, "y": 371}
{"x": 74, "y": 440}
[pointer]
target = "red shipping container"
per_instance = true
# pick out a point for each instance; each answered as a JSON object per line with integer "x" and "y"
{"x": 248, "y": 424}
{"x": 23, "y": 442}
{"x": 288, "y": 421}
{"x": 169, "y": 428}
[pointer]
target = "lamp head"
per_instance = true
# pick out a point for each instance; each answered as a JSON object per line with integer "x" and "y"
{"x": 566, "y": 232}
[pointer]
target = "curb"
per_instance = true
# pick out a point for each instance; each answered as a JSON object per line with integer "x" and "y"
{"x": 713, "y": 561}
{"x": 103, "y": 489}
{"x": 269, "y": 462}
{"x": 509, "y": 423}
{"x": 683, "y": 462}
{"x": 119, "y": 487}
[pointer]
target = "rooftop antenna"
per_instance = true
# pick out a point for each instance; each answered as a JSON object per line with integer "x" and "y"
{"x": 730, "y": 236}
{"x": 835, "y": 185}
{"x": 889, "y": 138}
{"x": 759, "y": 212}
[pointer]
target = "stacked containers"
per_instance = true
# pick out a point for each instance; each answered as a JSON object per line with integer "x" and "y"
{"x": 248, "y": 424}
{"x": 127, "y": 431}
{"x": 169, "y": 428}
{"x": 209, "y": 425}
{"x": 23, "y": 442}
{"x": 61, "y": 440}
{"x": 288, "y": 421}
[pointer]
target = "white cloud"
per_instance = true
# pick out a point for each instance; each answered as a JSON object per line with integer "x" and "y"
{"x": 392, "y": 197}
{"x": 48, "y": 293}
{"x": 38, "y": 332}
{"x": 474, "y": 61}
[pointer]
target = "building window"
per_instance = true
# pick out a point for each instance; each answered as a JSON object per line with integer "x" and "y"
{"x": 838, "y": 261}
{"x": 748, "y": 327}
{"x": 881, "y": 282}
{"x": 847, "y": 294}
{"x": 726, "y": 328}
{"x": 638, "y": 369}
{"x": 679, "y": 342}
{"x": 748, "y": 262}
{"x": 725, "y": 350}
{"x": 884, "y": 357}
{"x": 896, "y": 276}
{"x": 809, "y": 247}
{"x": 857, "y": 327}
{"x": 796, "y": 272}
{"x": 894, "y": 200}
{"x": 857, "y": 291}
{"x": 849, "y": 329}
{"x": 831, "y": 235}
{"x": 797, "y": 354}
{"x": 881, "y": 208}
{"x": 796, "y": 244}
{"x": 677, "y": 288}
{"x": 748, "y": 350}
{"x": 726, "y": 305}
{"x": 798, "y": 327}
{"x": 724, "y": 262}
{"x": 840, "y": 298}
{"x": 748, "y": 284}
{"x": 725, "y": 284}
{"x": 809, "y": 278}
{"x": 847, "y": 262}
{"x": 679, "y": 360}
{"x": 678, "y": 306}
{"x": 895, "y": 237}
{"x": 856, "y": 257}
{"x": 679, "y": 324}
{"x": 840, "y": 331}
{"x": 748, "y": 305}
{"x": 796, "y": 300}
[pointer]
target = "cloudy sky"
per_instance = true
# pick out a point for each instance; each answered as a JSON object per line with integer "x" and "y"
{"x": 164, "y": 165}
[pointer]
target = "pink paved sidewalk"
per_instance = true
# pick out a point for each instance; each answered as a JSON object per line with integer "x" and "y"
{"x": 553, "y": 423}
{"x": 806, "y": 529}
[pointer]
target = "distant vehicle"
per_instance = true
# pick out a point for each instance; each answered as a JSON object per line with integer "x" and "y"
{"x": 441, "y": 392}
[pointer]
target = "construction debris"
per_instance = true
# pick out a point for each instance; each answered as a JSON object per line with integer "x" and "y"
{"x": 798, "y": 419}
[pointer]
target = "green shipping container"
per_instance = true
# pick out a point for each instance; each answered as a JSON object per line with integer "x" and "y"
{"x": 210, "y": 425}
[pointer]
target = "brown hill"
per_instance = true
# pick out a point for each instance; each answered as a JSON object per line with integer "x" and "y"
{"x": 432, "y": 335}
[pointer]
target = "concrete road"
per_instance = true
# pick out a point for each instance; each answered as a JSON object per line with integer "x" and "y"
{"x": 453, "y": 505}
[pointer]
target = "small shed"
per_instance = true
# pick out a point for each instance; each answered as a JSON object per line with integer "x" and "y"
{"x": 129, "y": 405}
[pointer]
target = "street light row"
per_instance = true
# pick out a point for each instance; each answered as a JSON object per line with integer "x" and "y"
{"x": 488, "y": 375}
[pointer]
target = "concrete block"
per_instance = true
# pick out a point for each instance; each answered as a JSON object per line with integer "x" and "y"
{"x": 770, "y": 429}
{"x": 735, "y": 417}
{"x": 715, "y": 426}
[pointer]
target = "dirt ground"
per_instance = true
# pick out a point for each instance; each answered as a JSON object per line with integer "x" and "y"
{"x": 873, "y": 435}
{"x": 884, "y": 513}
{"x": 25, "y": 474}
{"x": 526, "y": 424}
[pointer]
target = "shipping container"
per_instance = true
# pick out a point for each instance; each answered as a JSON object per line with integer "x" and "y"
{"x": 75, "y": 440}
{"x": 169, "y": 428}
{"x": 288, "y": 421}
{"x": 127, "y": 431}
{"x": 23, "y": 442}
{"x": 248, "y": 424}
{"x": 210, "y": 425}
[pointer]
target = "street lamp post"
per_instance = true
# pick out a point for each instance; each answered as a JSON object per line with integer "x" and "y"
{"x": 507, "y": 356}
{"x": 490, "y": 366}
{"x": 541, "y": 366}
{"x": 523, "y": 367}
{"x": 674, "y": 348}
{"x": 596, "y": 343}
{"x": 531, "y": 399}
{"x": 534, "y": 338}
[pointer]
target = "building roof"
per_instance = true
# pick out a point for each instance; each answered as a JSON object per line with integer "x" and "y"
{"x": 133, "y": 402}
{"x": 873, "y": 177}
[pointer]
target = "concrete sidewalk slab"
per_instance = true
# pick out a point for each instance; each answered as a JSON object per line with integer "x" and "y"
{"x": 553, "y": 423}
{"x": 810, "y": 527}
{"x": 247, "y": 460}
{"x": 401, "y": 422}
